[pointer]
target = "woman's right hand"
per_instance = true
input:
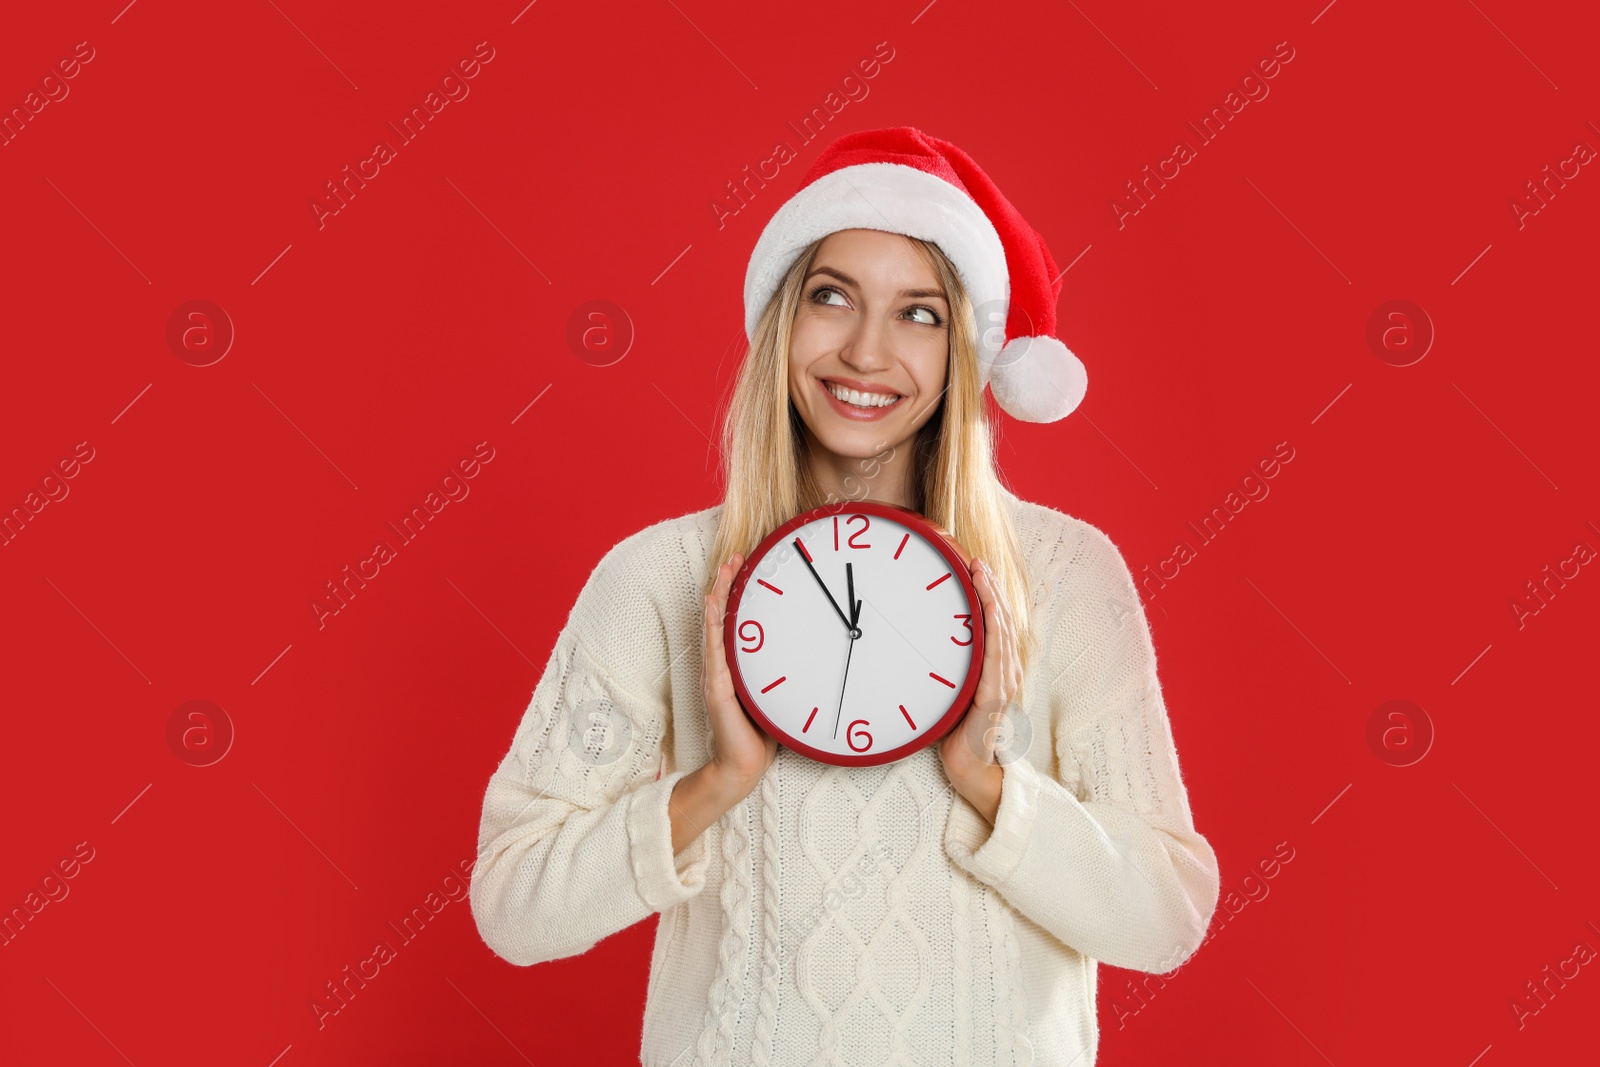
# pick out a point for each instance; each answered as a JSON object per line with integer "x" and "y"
{"x": 741, "y": 751}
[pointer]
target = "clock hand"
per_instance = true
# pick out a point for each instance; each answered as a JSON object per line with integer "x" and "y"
{"x": 855, "y": 632}
{"x": 855, "y": 605}
{"x": 837, "y": 715}
{"x": 848, "y": 625}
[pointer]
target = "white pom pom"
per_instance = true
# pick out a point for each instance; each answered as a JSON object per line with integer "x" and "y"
{"x": 1038, "y": 379}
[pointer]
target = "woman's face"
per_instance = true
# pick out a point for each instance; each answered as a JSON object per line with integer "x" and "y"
{"x": 870, "y": 347}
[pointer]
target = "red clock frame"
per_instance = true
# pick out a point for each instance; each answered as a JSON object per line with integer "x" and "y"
{"x": 963, "y": 695}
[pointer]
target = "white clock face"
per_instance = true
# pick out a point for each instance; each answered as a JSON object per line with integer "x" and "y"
{"x": 882, "y": 689}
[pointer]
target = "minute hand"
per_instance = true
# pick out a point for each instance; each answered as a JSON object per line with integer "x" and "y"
{"x": 818, "y": 577}
{"x": 839, "y": 713}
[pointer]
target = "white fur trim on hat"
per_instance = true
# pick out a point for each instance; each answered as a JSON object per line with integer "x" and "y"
{"x": 879, "y": 196}
{"x": 1037, "y": 379}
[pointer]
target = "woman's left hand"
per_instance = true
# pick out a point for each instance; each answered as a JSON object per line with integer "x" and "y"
{"x": 968, "y": 751}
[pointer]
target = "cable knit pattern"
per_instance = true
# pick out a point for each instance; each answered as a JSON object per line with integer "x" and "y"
{"x": 842, "y": 800}
{"x": 961, "y": 966}
{"x": 716, "y": 1036}
{"x": 772, "y": 883}
{"x": 1014, "y": 1029}
{"x": 850, "y": 917}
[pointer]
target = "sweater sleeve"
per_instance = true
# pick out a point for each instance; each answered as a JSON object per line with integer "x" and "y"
{"x": 575, "y": 843}
{"x": 1104, "y": 855}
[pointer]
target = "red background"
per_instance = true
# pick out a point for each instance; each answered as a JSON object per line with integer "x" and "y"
{"x": 374, "y": 352}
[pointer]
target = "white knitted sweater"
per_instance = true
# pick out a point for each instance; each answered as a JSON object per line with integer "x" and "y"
{"x": 850, "y": 916}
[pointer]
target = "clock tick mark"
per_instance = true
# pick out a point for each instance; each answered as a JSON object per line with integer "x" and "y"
{"x": 807, "y": 726}
{"x": 801, "y": 545}
{"x": 769, "y": 585}
{"x": 903, "y": 541}
{"x": 907, "y": 714}
{"x": 939, "y": 579}
{"x": 935, "y": 677}
{"x": 781, "y": 677}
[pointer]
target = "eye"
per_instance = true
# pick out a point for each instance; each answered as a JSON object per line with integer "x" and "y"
{"x": 933, "y": 316}
{"x": 815, "y": 293}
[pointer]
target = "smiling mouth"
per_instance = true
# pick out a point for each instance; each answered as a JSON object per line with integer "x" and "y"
{"x": 859, "y": 399}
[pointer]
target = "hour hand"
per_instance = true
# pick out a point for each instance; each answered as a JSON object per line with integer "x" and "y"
{"x": 855, "y": 605}
{"x": 848, "y": 625}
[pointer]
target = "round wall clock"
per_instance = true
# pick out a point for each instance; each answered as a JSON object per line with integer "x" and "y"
{"x": 854, "y": 634}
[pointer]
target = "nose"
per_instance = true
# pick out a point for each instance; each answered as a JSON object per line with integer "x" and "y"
{"x": 868, "y": 347}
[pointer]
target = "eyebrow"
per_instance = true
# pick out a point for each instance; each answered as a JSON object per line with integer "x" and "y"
{"x": 936, "y": 294}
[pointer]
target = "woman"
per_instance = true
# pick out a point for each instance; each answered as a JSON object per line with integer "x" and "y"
{"x": 948, "y": 908}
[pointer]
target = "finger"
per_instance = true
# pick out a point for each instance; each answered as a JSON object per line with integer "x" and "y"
{"x": 1005, "y": 679}
{"x": 1013, "y": 649}
{"x": 716, "y": 603}
{"x": 716, "y": 614}
{"x": 719, "y": 590}
{"x": 993, "y": 634}
{"x": 713, "y": 618}
{"x": 1017, "y": 678}
{"x": 725, "y": 576}
{"x": 708, "y": 620}
{"x": 994, "y": 585}
{"x": 1008, "y": 627}
{"x": 975, "y": 565}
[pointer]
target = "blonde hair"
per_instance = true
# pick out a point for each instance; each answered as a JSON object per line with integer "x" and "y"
{"x": 955, "y": 482}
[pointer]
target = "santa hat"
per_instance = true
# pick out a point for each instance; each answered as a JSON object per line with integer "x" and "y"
{"x": 901, "y": 180}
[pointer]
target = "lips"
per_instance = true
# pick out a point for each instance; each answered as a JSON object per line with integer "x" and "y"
{"x": 852, "y": 411}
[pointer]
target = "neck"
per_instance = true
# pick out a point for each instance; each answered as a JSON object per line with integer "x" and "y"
{"x": 885, "y": 477}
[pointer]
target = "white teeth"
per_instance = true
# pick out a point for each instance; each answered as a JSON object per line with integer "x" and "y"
{"x": 859, "y": 399}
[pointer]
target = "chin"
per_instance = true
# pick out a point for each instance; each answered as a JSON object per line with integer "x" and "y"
{"x": 859, "y": 441}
